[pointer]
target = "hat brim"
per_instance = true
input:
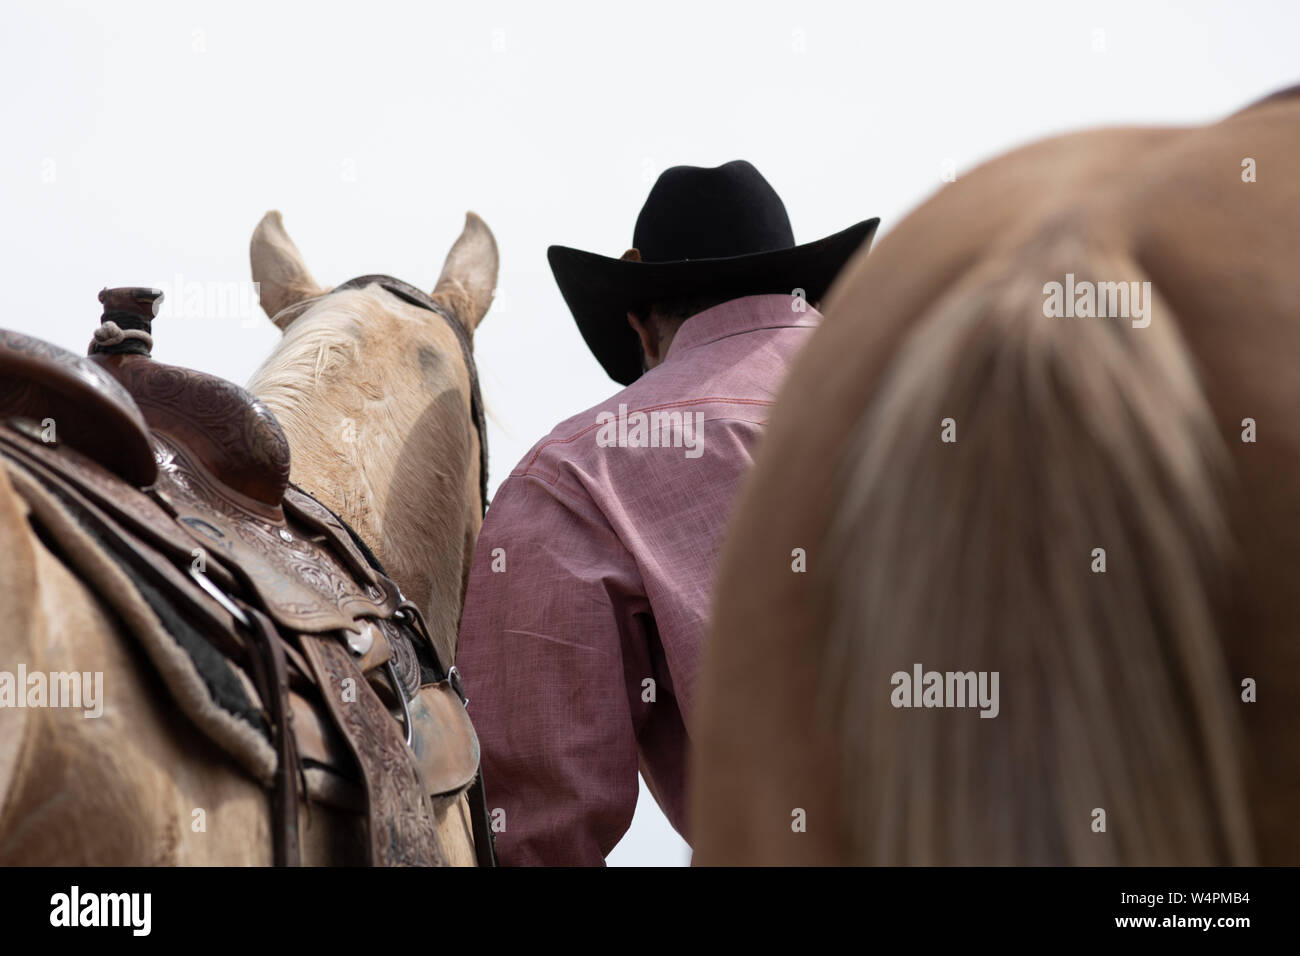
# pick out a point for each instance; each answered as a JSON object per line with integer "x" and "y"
{"x": 600, "y": 290}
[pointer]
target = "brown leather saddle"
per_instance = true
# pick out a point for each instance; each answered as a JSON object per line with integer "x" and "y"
{"x": 184, "y": 477}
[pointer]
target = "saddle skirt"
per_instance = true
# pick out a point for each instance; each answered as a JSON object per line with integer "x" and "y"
{"x": 284, "y": 615}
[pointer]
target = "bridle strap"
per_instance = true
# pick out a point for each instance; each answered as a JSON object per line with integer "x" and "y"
{"x": 417, "y": 297}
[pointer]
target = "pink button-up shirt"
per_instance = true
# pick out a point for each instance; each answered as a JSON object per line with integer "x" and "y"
{"x": 590, "y": 590}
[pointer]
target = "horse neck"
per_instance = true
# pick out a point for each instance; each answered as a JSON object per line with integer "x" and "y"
{"x": 402, "y": 476}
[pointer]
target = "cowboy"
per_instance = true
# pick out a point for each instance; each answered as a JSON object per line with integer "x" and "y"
{"x": 589, "y": 593}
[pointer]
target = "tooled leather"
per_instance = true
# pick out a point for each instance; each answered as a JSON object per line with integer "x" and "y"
{"x": 68, "y": 481}
{"x": 141, "y": 513}
{"x": 222, "y": 483}
{"x": 401, "y": 819}
{"x": 443, "y": 750}
{"x": 302, "y": 586}
{"x": 311, "y": 513}
{"x": 73, "y": 365}
{"x": 404, "y": 659}
{"x": 233, "y": 435}
{"x": 394, "y": 783}
{"x": 88, "y": 406}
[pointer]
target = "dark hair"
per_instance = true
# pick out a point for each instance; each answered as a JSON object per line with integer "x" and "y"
{"x": 672, "y": 313}
{"x": 677, "y": 310}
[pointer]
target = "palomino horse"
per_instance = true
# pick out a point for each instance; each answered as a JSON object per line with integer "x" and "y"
{"x": 374, "y": 396}
{"x": 997, "y": 460}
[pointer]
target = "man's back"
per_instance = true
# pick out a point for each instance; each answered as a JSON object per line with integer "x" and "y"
{"x": 590, "y": 590}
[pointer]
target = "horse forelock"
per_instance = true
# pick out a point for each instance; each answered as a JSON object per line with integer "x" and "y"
{"x": 325, "y": 336}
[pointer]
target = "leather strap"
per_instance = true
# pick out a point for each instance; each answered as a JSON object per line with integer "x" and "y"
{"x": 417, "y": 297}
{"x": 273, "y": 675}
{"x": 480, "y": 822}
{"x": 402, "y": 831}
{"x": 163, "y": 524}
{"x": 480, "y": 819}
{"x": 146, "y": 556}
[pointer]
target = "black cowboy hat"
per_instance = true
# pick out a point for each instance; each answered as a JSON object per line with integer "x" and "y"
{"x": 701, "y": 232}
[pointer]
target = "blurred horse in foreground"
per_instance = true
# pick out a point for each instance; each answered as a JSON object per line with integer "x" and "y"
{"x": 1048, "y": 432}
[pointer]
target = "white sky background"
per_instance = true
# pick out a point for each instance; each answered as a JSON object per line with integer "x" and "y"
{"x": 142, "y": 141}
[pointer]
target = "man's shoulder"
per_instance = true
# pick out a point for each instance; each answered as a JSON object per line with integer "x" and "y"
{"x": 721, "y": 374}
{"x": 651, "y": 412}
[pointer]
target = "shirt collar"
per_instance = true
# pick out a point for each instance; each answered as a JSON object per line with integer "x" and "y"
{"x": 746, "y": 314}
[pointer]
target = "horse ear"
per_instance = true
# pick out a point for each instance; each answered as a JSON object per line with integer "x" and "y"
{"x": 279, "y": 270}
{"x": 469, "y": 276}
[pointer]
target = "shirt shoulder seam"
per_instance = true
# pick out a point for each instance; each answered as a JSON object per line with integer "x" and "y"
{"x": 704, "y": 400}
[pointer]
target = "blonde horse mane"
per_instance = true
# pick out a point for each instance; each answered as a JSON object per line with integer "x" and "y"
{"x": 1072, "y": 435}
{"x": 323, "y": 338}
